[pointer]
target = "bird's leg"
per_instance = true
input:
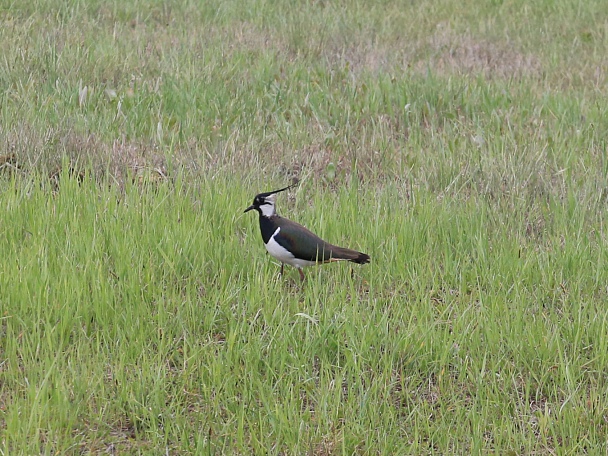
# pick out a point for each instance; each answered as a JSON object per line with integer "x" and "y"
{"x": 282, "y": 266}
{"x": 301, "y": 274}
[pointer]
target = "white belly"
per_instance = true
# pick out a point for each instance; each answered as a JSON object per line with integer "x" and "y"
{"x": 284, "y": 255}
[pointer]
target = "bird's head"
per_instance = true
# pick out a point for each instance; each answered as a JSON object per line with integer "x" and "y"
{"x": 264, "y": 202}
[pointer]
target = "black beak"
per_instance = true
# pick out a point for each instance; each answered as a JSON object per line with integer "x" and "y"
{"x": 249, "y": 208}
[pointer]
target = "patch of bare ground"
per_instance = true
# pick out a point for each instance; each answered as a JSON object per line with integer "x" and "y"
{"x": 334, "y": 161}
{"x": 8, "y": 163}
{"x": 119, "y": 437}
{"x": 140, "y": 161}
{"x": 452, "y": 53}
{"x": 404, "y": 398}
{"x": 328, "y": 446}
{"x": 363, "y": 57}
{"x": 29, "y": 150}
{"x": 445, "y": 52}
{"x": 245, "y": 35}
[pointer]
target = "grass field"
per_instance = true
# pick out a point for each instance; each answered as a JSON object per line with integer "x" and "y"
{"x": 462, "y": 145}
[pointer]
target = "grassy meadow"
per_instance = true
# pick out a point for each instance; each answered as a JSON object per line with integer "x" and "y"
{"x": 462, "y": 145}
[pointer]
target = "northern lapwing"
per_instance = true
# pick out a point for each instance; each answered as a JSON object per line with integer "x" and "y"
{"x": 291, "y": 243}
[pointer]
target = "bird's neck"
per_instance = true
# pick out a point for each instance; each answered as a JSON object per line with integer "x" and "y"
{"x": 267, "y": 226}
{"x": 267, "y": 210}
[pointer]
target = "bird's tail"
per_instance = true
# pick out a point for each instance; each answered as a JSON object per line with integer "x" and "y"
{"x": 340, "y": 253}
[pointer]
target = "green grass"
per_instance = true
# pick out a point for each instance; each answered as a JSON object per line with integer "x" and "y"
{"x": 460, "y": 144}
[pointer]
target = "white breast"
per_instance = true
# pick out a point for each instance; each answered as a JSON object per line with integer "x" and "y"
{"x": 284, "y": 255}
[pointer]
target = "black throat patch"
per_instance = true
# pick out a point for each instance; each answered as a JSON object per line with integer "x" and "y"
{"x": 267, "y": 227}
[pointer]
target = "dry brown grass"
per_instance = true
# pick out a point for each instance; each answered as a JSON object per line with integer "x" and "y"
{"x": 455, "y": 53}
{"x": 444, "y": 53}
{"x": 51, "y": 152}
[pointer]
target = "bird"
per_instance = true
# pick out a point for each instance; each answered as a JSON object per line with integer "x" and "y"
{"x": 291, "y": 243}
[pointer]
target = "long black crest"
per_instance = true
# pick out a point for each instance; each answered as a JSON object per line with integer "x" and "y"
{"x": 264, "y": 195}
